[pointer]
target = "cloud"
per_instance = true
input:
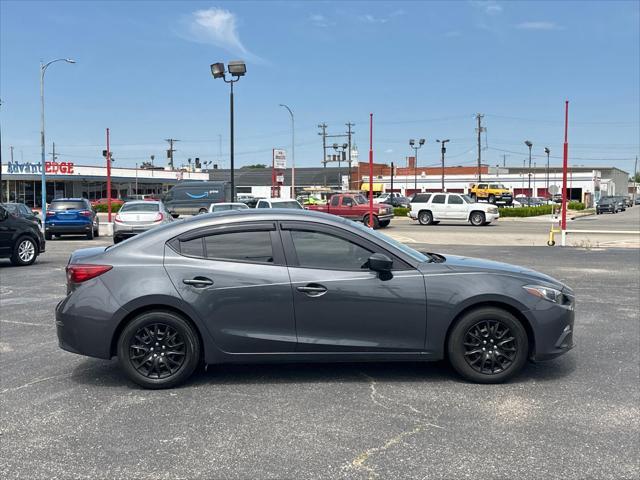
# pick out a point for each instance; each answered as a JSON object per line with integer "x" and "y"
{"x": 538, "y": 26}
{"x": 372, "y": 19}
{"x": 490, "y": 7}
{"x": 321, "y": 21}
{"x": 216, "y": 26}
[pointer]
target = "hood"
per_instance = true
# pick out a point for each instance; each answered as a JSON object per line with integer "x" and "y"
{"x": 480, "y": 265}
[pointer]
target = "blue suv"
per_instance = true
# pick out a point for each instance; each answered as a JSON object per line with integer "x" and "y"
{"x": 71, "y": 216}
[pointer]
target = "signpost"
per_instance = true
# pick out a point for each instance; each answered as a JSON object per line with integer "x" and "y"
{"x": 279, "y": 165}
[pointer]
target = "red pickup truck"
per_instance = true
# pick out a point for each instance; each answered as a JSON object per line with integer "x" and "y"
{"x": 355, "y": 206}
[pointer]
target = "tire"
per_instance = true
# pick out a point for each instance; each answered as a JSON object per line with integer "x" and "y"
{"x": 25, "y": 252}
{"x": 477, "y": 219}
{"x": 170, "y": 334}
{"x": 492, "y": 327}
{"x": 376, "y": 222}
{"x": 492, "y": 199}
{"x": 97, "y": 231}
{"x": 384, "y": 223}
{"x": 435, "y": 222}
{"x": 202, "y": 211}
{"x": 47, "y": 236}
{"x": 90, "y": 234}
{"x": 551, "y": 243}
{"x": 425, "y": 217}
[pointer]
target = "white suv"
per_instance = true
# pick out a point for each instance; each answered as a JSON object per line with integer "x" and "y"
{"x": 430, "y": 208}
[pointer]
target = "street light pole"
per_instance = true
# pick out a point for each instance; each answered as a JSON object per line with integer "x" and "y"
{"x": 43, "y": 69}
{"x": 236, "y": 69}
{"x": 412, "y": 144}
{"x": 547, "y": 151}
{"x": 443, "y": 150}
{"x": 293, "y": 152}
{"x": 529, "y": 144}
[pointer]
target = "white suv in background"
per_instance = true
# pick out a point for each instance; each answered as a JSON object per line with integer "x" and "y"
{"x": 432, "y": 208}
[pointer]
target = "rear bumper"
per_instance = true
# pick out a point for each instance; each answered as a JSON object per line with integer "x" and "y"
{"x": 125, "y": 230}
{"x": 62, "y": 228}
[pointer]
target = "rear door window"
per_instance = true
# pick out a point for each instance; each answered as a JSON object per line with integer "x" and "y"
{"x": 438, "y": 198}
{"x": 454, "y": 200}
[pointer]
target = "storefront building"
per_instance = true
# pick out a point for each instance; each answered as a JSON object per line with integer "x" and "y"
{"x": 21, "y": 181}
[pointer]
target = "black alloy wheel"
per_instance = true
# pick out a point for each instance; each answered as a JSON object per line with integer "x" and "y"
{"x": 488, "y": 345}
{"x": 158, "y": 349}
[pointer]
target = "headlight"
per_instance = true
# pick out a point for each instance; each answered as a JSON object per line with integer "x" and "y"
{"x": 547, "y": 293}
{"x": 493, "y": 210}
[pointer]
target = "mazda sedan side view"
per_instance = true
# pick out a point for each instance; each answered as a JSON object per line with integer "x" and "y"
{"x": 298, "y": 286}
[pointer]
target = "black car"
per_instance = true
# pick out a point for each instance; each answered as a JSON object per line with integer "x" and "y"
{"x": 398, "y": 202}
{"x": 21, "y": 210}
{"x": 20, "y": 240}
{"x": 607, "y": 205}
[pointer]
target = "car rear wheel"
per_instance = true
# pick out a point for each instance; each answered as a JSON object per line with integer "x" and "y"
{"x": 202, "y": 211}
{"x": 25, "y": 252}
{"x": 158, "y": 350}
{"x": 425, "y": 217}
{"x": 477, "y": 218}
{"x": 488, "y": 345}
{"x": 90, "y": 234}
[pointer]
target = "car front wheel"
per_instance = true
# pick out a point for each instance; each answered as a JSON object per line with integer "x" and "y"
{"x": 25, "y": 252}
{"x": 488, "y": 345}
{"x": 158, "y": 349}
{"x": 477, "y": 219}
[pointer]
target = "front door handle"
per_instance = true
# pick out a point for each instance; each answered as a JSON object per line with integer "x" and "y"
{"x": 313, "y": 290}
{"x": 198, "y": 282}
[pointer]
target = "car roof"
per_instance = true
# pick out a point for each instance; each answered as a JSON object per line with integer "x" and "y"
{"x": 276, "y": 200}
{"x": 68, "y": 200}
{"x": 142, "y": 202}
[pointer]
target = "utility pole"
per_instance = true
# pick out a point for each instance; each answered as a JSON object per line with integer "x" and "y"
{"x": 349, "y": 133}
{"x": 53, "y": 152}
{"x": 479, "y": 129}
{"x": 171, "y": 151}
{"x": 504, "y": 160}
{"x": 323, "y": 127}
{"x": 635, "y": 174}
{"x": 392, "y": 168}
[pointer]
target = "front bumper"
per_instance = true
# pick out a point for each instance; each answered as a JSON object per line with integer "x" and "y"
{"x": 553, "y": 330}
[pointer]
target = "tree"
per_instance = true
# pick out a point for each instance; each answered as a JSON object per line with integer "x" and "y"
{"x": 636, "y": 178}
{"x": 257, "y": 165}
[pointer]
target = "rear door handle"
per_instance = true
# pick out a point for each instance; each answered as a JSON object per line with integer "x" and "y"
{"x": 313, "y": 290}
{"x": 198, "y": 282}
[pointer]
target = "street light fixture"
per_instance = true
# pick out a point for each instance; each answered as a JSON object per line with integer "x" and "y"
{"x": 43, "y": 69}
{"x": 341, "y": 149}
{"x": 236, "y": 69}
{"x": 443, "y": 150}
{"x": 412, "y": 144}
{"x": 547, "y": 151}
{"x": 293, "y": 151}
{"x": 529, "y": 144}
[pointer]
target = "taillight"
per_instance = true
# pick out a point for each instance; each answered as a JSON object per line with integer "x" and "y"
{"x": 85, "y": 213}
{"x": 81, "y": 273}
{"x": 159, "y": 217}
{"x": 50, "y": 213}
{"x": 118, "y": 219}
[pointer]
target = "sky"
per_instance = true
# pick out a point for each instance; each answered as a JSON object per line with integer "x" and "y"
{"x": 424, "y": 69}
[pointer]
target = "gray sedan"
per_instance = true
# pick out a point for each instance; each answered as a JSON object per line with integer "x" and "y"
{"x": 299, "y": 286}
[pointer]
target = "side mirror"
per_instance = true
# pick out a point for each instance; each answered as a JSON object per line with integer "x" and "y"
{"x": 379, "y": 262}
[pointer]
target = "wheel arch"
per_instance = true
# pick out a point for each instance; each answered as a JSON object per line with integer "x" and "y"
{"x": 128, "y": 315}
{"x": 512, "y": 309}
{"x": 476, "y": 211}
{"x": 30, "y": 235}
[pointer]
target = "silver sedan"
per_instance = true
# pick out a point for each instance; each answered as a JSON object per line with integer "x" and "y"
{"x": 137, "y": 217}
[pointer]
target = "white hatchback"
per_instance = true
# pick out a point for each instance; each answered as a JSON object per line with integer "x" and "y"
{"x": 432, "y": 208}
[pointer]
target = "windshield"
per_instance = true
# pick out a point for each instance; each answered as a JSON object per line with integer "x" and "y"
{"x": 497, "y": 185}
{"x": 10, "y": 207}
{"x": 420, "y": 257}
{"x": 140, "y": 207}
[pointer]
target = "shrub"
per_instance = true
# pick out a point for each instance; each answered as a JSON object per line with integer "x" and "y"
{"x": 401, "y": 211}
{"x": 101, "y": 208}
{"x": 576, "y": 206}
{"x": 526, "y": 211}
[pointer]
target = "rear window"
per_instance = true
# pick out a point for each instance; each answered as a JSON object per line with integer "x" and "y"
{"x": 140, "y": 207}
{"x": 68, "y": 205}
{"x": 421, "y": 198}
{"x": 292, "y": 204}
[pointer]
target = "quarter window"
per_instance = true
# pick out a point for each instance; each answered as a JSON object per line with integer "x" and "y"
{"x": 438, "y": 198}
{"x": 321, "y": 250}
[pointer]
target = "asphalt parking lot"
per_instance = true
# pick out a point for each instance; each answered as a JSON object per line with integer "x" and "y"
{"x": 578, "y": 416}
